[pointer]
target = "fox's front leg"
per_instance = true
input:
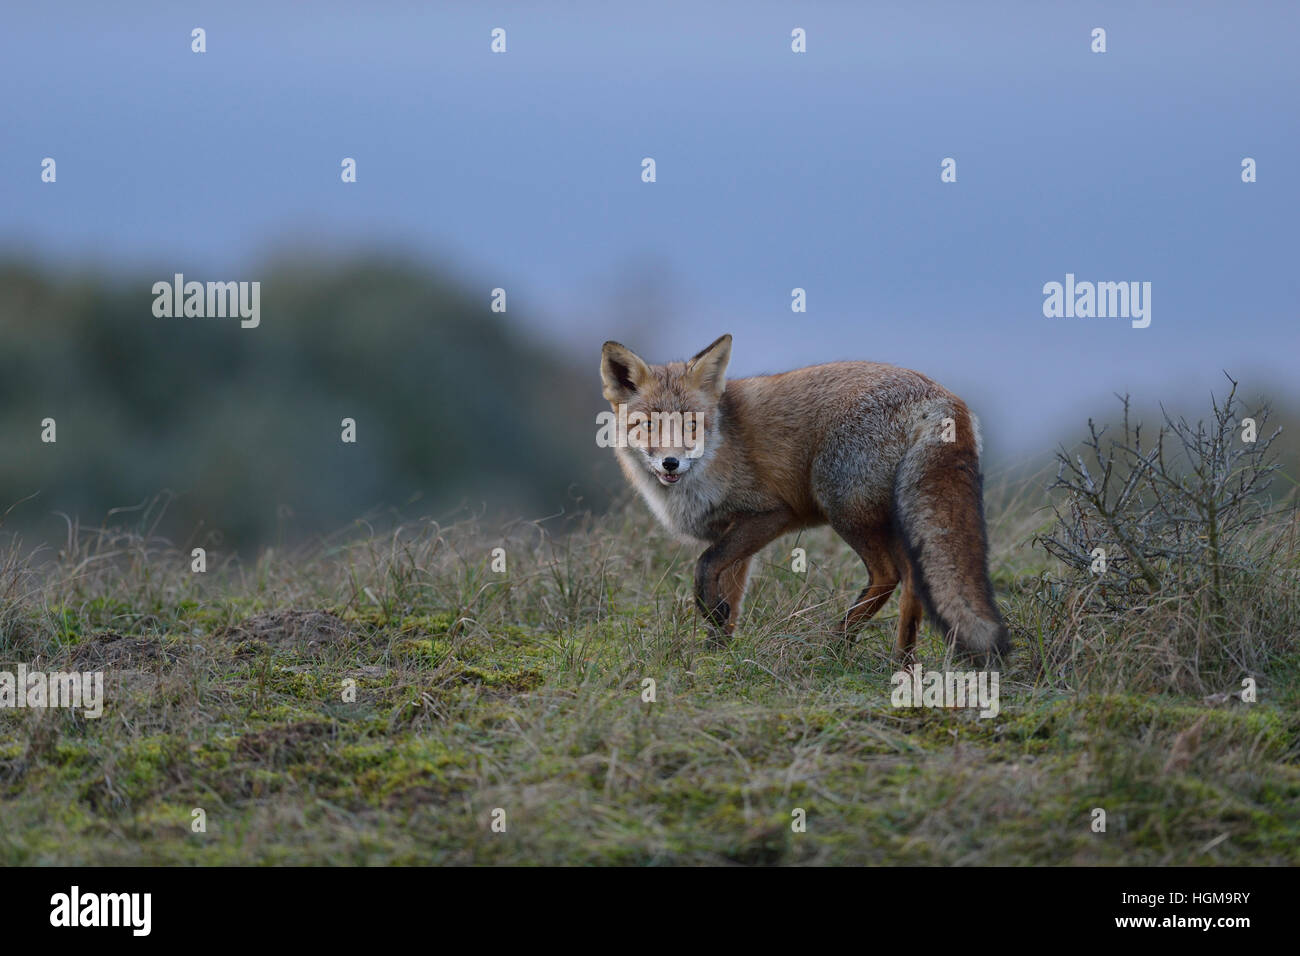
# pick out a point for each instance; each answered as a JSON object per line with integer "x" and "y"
{"x": 708, "y": 594}
{"x": 723, "y": 569}
{"x": 722, "y": 608}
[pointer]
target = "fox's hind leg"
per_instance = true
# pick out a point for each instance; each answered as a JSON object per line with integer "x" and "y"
{"x": 871, "y": 598}
{"x": 910, "y": 614}
{"x": 873, "y": 546}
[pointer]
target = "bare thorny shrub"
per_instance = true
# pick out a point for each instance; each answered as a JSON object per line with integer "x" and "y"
{"x": 1171, "y": 573}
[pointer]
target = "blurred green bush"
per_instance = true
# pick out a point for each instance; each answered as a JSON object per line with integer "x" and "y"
{"x": 455, "y": 408}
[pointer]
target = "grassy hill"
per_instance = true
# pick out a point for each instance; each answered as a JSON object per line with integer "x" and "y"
{"x": 522, "y": 691}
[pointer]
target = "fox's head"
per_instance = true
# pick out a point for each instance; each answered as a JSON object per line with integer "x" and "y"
{"x": 670, "y": 409}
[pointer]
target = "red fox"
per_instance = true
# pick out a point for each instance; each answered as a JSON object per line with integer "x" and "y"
{"x": 885, "y": 456}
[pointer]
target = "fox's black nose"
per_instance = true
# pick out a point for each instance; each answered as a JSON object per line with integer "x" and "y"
{"x": 670, "y": 464}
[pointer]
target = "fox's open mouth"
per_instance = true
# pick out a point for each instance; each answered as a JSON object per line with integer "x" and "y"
{"x": 666, "y": 478}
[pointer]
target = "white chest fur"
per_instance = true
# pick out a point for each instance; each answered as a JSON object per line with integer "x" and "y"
{"x": 683, "y": 508}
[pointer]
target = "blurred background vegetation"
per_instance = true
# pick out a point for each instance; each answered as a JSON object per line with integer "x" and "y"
{"x": 456, "y": 411}
{"x": 209, "y": 433}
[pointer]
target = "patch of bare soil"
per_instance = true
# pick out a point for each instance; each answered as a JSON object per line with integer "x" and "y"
{"x": 111, "y": 649}
{"x": 277, "y": 629}
{"x": 287, "y": 744}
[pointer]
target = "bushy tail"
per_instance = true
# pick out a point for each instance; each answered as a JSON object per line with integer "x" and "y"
{"x": 939, "y": 507}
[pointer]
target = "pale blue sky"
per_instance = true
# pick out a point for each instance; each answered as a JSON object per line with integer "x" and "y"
{"x": 775, "y": 170}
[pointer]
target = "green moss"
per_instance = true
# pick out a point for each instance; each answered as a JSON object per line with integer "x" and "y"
{"x": 382, "y": 771}
{"x": 427, "y": 624}
{"x": 528, "y": 698}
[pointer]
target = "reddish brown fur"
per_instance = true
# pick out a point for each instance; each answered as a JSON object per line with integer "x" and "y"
{"x": 852, "y": 444}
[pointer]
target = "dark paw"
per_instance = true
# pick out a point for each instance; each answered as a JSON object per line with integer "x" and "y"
{"x": 717, "y": 615}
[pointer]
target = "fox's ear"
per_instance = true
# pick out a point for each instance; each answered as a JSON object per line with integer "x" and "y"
{"x": 707, "y": 371}
{"x": 622, "y": 373}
